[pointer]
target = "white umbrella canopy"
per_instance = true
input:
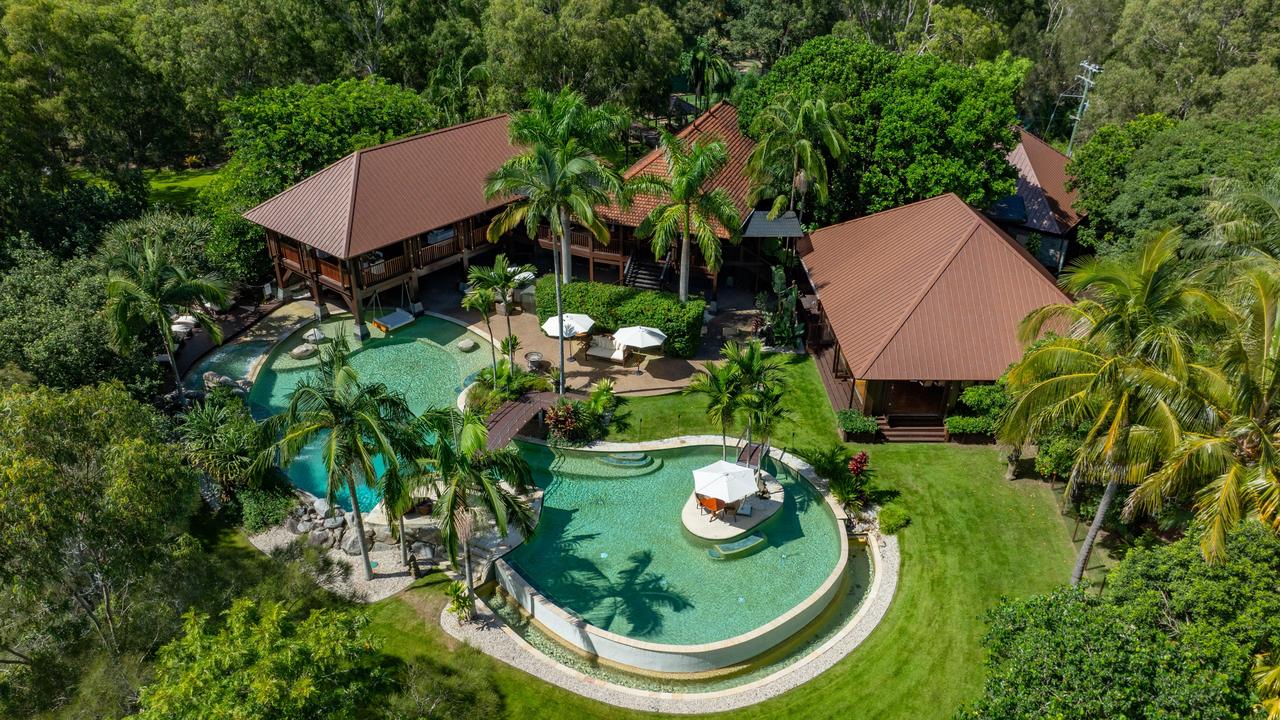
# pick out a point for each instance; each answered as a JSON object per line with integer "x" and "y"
{"x": 313, "y": 335}
{"x": 724, "y": 480}
{"x": 639, "y": 336}
{"x": 574, "y": 324}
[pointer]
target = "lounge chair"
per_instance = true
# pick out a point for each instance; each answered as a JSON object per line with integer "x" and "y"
{"x": 606, "y": 348}
{"x": 744, "y": 508}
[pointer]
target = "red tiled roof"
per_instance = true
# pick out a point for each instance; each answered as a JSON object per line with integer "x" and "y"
{"x": 1042, "y": 185}
{"x": 381, "y": 195}
{"x": 927, "y": 291}
{"x": 720, "y": 122}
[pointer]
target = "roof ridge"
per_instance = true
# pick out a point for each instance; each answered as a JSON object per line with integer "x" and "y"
{"x": 1020, "y": 251}
{"x": 430, "y": 133}
{"x": 882, "y": 213}
{"x": 1028, "y": 134}
{"x": 924, "y": 293}
{"x": 351, "y": 206}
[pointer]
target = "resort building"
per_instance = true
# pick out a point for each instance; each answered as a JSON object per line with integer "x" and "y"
{"x": 911, "y": 304}
{"x": 382, "y": 218}
{"x": 1041, "y": 215}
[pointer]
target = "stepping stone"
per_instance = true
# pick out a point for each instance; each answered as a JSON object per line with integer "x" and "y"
{"x": 303, "y": 351}
{"x": 467, "y": 345}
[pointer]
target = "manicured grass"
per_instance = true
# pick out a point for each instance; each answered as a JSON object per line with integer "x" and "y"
{"x": 811, "y": 423}
{"x": 178, "y": 188}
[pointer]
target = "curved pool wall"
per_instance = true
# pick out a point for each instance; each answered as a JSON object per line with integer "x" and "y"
{"x": 644, "y": 656}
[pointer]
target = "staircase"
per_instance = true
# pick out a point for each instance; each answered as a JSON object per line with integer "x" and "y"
{"x": 643, "y": 274}
{"x": 909, "y": 429}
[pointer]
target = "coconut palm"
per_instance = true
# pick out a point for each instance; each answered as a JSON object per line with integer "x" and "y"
{"x": 358, "y": 422}
{"x": 220, "y": 437}
{"x": 719, "y": 384}
{"x": 795, "y": 138}
{"x": 765, "y": 409}
{"x": 480, "y": 300}
{"x": 1266, "y": 677}
{"x": 145, "y": 289}
{"x": 553, "y": 187}
{"x": 502, "y": 280}
{"x": 707, "y": 72}
{"x": 1232, "y": 465}
{"x": 1119, "y": 369}
{"x": 469, "y": 480}
{"x": 398, "y": 490}
{"x": 688, "y": 207}
{"x": 1246, "y": 219}
{"x": 755, "y": 370}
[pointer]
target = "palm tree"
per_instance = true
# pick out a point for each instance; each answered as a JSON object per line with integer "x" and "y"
{"x": 766, "y": 410}
{"x": 755, "y": 370}
{"x": 220, "y": 437}
{"x": 359, "y": 422}
{"x": 1246, "y": 219}
{"x": 1119, "y": 369}
{"x": 145, "y": 288}
{"x": 553, "y": 187}
{"x": 470, "y": 480}
{"x": 501, "y": 280}
{"x": 688, "y": 207}
{"x": 719, "y": 384}
{"x": 790, "y": 157}
{"x": 397, "y": 488}
{"x": 1232, "y": 465}
{"x": 556, "y": 119}
{"x": 707, "y": 72}
{"x": 480, "y": 300}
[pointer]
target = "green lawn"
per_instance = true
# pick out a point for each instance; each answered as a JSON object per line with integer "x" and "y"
{"x": 178, "y": 188}
{"x": 974, "y": 538}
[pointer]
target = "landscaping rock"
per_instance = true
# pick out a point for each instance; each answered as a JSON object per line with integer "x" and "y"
{"x": 351, "y": 544}
{"x": 303, "y": 351}
{"x": 291, "y": 524}
{"x": 380, "y": 546}
{"x": 382, "y": 534}
{"x": 334, "y": 522}
{"x": 318, "y": 538}
{"x": 351, "y": 518}
{"x": 322, "y": 507}
{"x": 467, "y": 345}
{"x": 304, "y": 526}
{"x": 422, "y": 551}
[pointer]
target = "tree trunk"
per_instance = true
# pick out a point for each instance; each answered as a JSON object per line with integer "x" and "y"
{"x": 684, "y": 263}
{"x": 167, "y": 338}
{"x": 466, "y": 565}
{"x": 507, "y": 303}
{"x": 566, "y": 257}
{"x": 355, "y": 510}
{"x": 555, "y": 272}
{"x": 404, "y": 545}
{"x": 493, "y": 350}
{"x": 1082, "y": 559}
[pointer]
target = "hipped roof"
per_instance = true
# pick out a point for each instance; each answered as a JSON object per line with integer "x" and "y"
{"x": 1042, "y": 185}
{"x": 381, "y": 195}
{"x": 927, "y": 291}
{"x": 720, "y": 122}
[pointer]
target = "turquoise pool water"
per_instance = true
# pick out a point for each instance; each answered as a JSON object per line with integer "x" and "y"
{"x": 422, "y": 361}
{"x": 232, "y": 360}
{"x": 611, "y": 548}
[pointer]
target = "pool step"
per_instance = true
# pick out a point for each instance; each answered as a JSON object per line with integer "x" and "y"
{"x": 603, "y": 469}
{"x": 737, "y": 548}
{"x": 628, "y": 459}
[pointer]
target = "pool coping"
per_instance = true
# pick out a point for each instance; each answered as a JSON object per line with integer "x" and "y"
{"x": 814, "y": 602}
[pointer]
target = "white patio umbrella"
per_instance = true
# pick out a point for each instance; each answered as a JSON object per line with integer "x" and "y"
{"x": 639, "y": 336}
{"x": 523, "y": 278}
{"x": 724, "y": 480}
{"x": 574, "y": 324}
{"x": 314, "y": 335}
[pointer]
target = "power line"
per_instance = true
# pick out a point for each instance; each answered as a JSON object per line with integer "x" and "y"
{"x": 1086, "y": 83}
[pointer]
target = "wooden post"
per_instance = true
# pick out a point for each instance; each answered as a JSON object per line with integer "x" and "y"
{"x": 360, "y": 331}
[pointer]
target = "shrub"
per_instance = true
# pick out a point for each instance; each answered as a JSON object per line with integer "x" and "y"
{"x": 615, "y": 306}
{"x": 966, "y": 425}
{"x": 264, "y": 508}
{"x": 852, "y": 421}
{"x": 892, "y": 519}
{"x": 980, "y": 409}
{"x": 512, "y": 383}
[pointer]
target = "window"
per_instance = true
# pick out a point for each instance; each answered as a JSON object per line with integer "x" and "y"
{"x": 435, "y": 237}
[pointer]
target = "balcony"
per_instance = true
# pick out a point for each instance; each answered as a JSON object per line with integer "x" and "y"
{"x": 332, "y": 272}
{"x": 376, "y": 271}
{"x": 439, "y": 251}
{"x": 292, "y": 256}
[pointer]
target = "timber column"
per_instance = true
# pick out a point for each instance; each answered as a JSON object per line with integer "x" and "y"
{"x": 359, "y": 330}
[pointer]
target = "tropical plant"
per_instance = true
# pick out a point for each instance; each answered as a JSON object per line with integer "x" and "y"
{"x": 556, "y": 119}
{"x": 146, "y": 287}
{"x": 357, "y": 423}
{"x": 510, "y": 383}
{"x": 794, "y": 137}
{"x": 480, "y": 300}
{"x": 766, "y": 409}
{"x": 460, "y": 604}
{"x": 1232, "y": 465}
{"x": 707, "y": 72}
{"x": 892, "y": 519}
{"x": 719, "y": 384}
{"x": 553, "y": 187}
{"x": 469, "y": 480}
{"x": 1119, "y": 369}
{"x": 756, "y": 371}
{"x": 220, "y": 437}
{"x": 501, "y": 281}
{"x": 688, "y": 208}
{"x": 1245, "y": 217}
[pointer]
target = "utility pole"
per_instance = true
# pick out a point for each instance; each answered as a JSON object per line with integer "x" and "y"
{"x": 1086, "y": 83}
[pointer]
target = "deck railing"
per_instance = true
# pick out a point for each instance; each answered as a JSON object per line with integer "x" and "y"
{"x": 379, "y": 270}
{"x": 438, "y": 251}
{"x": 331, "y": 270}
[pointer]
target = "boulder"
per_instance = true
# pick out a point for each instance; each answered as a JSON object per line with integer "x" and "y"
{"x": 381, "y": 546}
{"x": 322, "y": 507}
{"x": 304, "y": 526}
{"x": 244, "y": 385}
{"x": 351, "y": 518}
{"x": 318, "y": 538}
{"x": 382, "y": 534}
{"x": 304, "y": 351}
{"x": 291, "y": 524}
{"x": 467, "y": 345}
{"x": 422, "y": 551}
{"x": 351, "y": 544}
{"x": 333, "y": 522}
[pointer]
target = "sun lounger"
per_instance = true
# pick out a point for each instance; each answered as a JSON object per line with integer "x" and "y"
{"x": 393, "y": 320}
{"x": 606, "y": 348}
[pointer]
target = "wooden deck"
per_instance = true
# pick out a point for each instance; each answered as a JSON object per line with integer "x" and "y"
{"x": 839, "y": 390}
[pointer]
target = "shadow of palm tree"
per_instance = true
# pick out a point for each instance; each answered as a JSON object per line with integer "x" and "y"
{"x": 637, "y": 596}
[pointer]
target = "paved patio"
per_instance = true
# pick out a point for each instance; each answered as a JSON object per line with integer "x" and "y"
{"x": 644, "y": 374}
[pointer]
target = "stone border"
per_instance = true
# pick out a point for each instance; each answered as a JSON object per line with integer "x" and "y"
{"x": 643, "y": 655}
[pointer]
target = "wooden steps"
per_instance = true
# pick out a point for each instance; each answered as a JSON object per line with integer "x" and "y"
{"x": 912, "y": 430}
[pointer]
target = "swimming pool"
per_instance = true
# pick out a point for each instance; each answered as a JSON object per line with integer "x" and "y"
{"x": 421, "y": 361}
{"x": 611, "y": 550}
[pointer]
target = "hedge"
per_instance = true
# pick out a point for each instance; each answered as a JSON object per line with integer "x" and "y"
{"x": 852, "y": 421}
{"x": 615, "y": 306}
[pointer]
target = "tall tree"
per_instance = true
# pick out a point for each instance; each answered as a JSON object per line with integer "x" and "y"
{"x": 480, "y": 300}
{"x": 502, "y": 280}
{"x": 356, "y": 422}
{"x": 470, "y": 481}
{"x": 553, "y": 187}
{"x": 719, "y": 384}
{"x": 756, "y": 371}
{"x": 688, "y": 207}
{"x": 794, "y": 137}
{"x": 146, "y": 288}
{"x": 707, "y": 71}
{"x": 1118, "y": 370}
{"x": 556, "y": 119}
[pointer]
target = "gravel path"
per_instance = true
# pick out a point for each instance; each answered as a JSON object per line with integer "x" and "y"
{"x": 490, "y": 635}
{"x": 389, "y": 576}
